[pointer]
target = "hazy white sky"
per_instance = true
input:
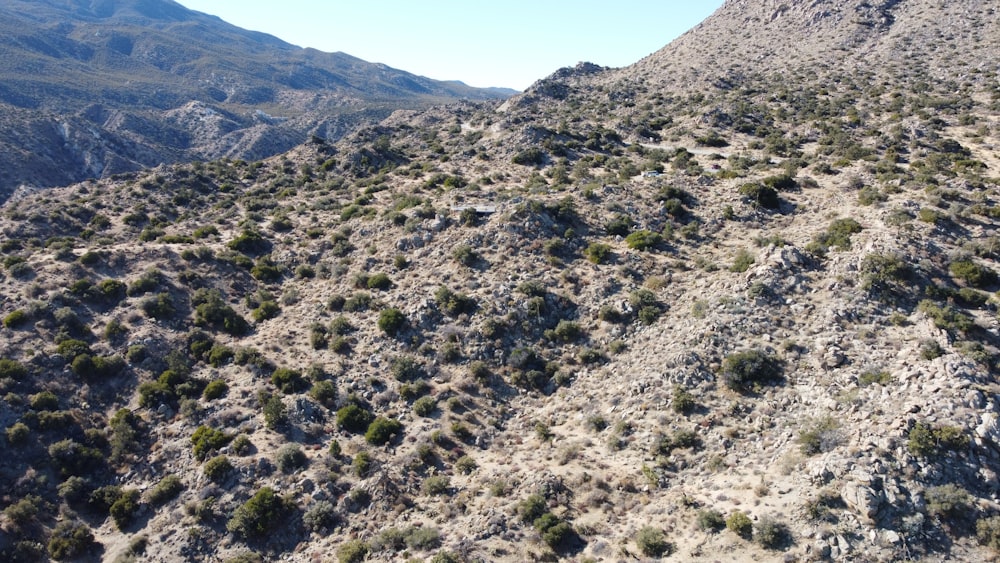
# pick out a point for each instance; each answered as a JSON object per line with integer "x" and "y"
{"x": 507, "y": 43}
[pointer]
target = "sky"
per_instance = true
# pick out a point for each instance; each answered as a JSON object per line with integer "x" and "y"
{"x": 509, "y": 43}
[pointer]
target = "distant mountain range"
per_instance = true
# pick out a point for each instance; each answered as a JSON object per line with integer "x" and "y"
{"x": 90, "y": 88}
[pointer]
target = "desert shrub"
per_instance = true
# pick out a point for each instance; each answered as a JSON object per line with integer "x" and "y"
{"x": 454, "y": 304}
{"x": 241, "y": 445}
{"x": 274, "y": 412}
{"x": 166, "y": 490}
{"x": 23, "y": 511}
{"x": 70, "y": 540}
{"x": 819, "y": 436}
{"x": 206, "y": 440}
{"x": 436, "y": 485}
{"x": 465, "y": 255}
{"x": 710, "y": 520}
{"x": 382, "y": 430}
{"x": 568, "y": 330}
{"x": 925, "y": 440}
{"x": 145, "y": 283}
{"x": 742, "y": 371}
{"x": 362, "y": 464}
{"x": 44, "y": 401}
{"x": 324, "y": 392}
{"x": 123, "y": 509}
{"x": 972, "y": 273}
{"x": 15, "y": 319}
{"x": 12, "y": 369}
{"x": 740, "y": 524}
{"x": 770, "y": 533}
{"x": 354, "y": 551}
{"x": 948, "y": 501}
{"x": 267, "y": 309}
{"x": 742, "y": 262}
{"x": 422, "y": 538}
{"x": 424, "y": 406}
{"x": 96, "y": 367}
{"x": 391, "y": 321}
{"x": 211, "y": 310}
{"x": 597, "y": 252}
{"x": 215, "y": 389}
{"x": 218, "y": 468}
{"x": 874, "y": 376}
{"x": 643, "y": 240}
{"x": 988, "y": 532}
{"x": 837, "y": 236}
{"x": 160, "y": 306}
{"x": 290, "y": 457}
{"x": 354, "y": 418}
{"x": 652, "y": 542}
{"x": 249, "y": 242}
{"x": 73, "y": 458}
{"x": 257, "y": 516}
{"x": 379, "y": 281}
{"x": 289, "y": 380}
{"x": 682, "y": 401}
{"x": 532, "y": 508}
{"x": 320, "y": 516}
{"x": 18, "y": 433}
{"x": 760, "y": 195}
{"x": 946, "y": 317}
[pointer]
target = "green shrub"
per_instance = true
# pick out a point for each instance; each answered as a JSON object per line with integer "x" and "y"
{"x": 529, "y": 157}
{"x": 70, "y": 540}
{"x": 15, "y": 319}
{"x": 620, "y": 225}
{"x": 266, "y": 310}
{"x": 924, "y": 440}
{"x": 212, "y": 311}
{"x": 160, "y": 306}
{"x": 391, "y": 321}
{"x": 166, "y": 490}
{"x": 354, "y": 418}
{"x": 710, "y": 520}
{"x": 424, "y": 406}
{"x": 760, "y": 195}
{"x": 598, "y": 253}
{"x": 290, "y": 457}
{"x": 742, "y": 371}
{"x": 379, "y": 281}
{"x": 682, "y": 401}
{"x": 354, "y": 551}
{"x": 12, "y": 369}
{"x": 320, "y": 517}
{"x": 382, "y": 430}
{"x": 819, "y": 436}
{"x": 454, "y": 304}
{"x": 257, "y": 517}
{"x": 948, "y": 501}
{"x": 770, "y": 533}
{"x": 532, "y": 508}
{"x": 643, "y": 240}
{"x": 289, "y": 380}
{"x": 568, "y": 330}
{"x": 123, "y": 509}
{"x": 972, "y": 273}
{"x": 988, "y": 532}
{"x": 250, "y": 242}
{"x": 837, "y": 236}
{"x": 362, "y": 464}
{"x": 206, "y": 440}
{"x": 324, "y": 392}
{"x": 742, "y": 262}
{"x": 274, "y": 412}
{"x": 17, "y": 433}
{"x": 652, "y": 542}
{"x": 465, "y": 255}
{"x": 218, "y": 468}
{"x": 436, "y": 485}
{"x": 215, "y": 389}
{"x": 740, "y": 524}
{"x": 44, "y": 401}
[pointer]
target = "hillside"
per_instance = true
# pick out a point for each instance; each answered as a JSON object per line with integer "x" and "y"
{"x": 92, "y": 89}
{"x": 752, "y": 320}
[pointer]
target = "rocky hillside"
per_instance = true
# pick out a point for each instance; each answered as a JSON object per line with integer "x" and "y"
{"x": 605, "y": 320}
{"x": 92, "y": 89}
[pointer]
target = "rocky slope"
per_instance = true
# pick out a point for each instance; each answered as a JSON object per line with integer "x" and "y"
{"x": 755, "y": 321}
{"x": 91, "y": 89}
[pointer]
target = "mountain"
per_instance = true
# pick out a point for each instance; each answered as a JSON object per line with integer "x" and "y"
{"x": 742, "y": 312}
{"x": 91, "y": 89}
